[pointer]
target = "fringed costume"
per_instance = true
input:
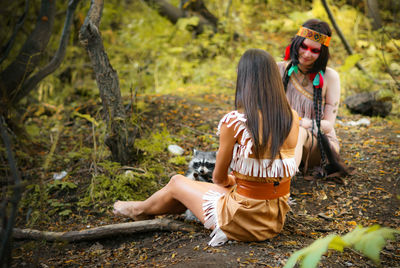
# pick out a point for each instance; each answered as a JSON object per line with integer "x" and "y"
{"x": 255, "y": 208}
{"x": 300, "y": 98}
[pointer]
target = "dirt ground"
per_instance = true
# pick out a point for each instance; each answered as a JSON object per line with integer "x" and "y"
{"x": 321, "y": 207}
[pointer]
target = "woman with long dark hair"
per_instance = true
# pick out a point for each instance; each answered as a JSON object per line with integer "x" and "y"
{"x": 313, "y": 90}
{"x": 257, "y": 141}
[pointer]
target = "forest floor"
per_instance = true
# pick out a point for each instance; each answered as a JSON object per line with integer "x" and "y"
{"x": 368, "y": 197}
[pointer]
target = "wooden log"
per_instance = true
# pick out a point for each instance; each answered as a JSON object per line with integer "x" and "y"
{"x": 104, "y": 231}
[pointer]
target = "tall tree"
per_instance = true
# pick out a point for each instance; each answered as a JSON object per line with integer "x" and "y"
{"x": 18, "y": 79}
{"x": 373, "y": 13}
{"x": 119, "y": 139}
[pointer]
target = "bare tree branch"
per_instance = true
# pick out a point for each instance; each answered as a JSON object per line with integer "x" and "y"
{"x": 7, "y": 228}
{"x": 10, "y": 43}
{"x": 341, "y": 36}
{"x": 387, "y": 65}
{"x": 163, "y": 224}
{"x": 189, "y": 8}
{"x": 165, "y": 9}
{"x": 31, "y": 83}
{"x": 13, "y": 77}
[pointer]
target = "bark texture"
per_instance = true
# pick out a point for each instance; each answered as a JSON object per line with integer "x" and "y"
{"x": 373, "y": 13}
{"x": 107, "y": 80}
{"x": 105, "y": 231}
{"x": 17, "y": 80}
{"x": 8, "y": 216}
{"x": 13, "y": 77}
{"x": 188, "y": 8}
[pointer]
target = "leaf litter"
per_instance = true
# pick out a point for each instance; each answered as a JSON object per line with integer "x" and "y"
{"x": 368, "y": 197}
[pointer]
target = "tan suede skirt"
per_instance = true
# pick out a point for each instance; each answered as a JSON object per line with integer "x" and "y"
{"x": 246, "y": 219}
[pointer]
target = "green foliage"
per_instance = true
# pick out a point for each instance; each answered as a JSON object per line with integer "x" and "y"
{"x": 60, "y": 208}
{"x": 155, "y": 144}
{"x": 178, "y": 160}
{"x": 311, "y": 255}
{"x": 60, "y": 185}
{"x": 369, "y": 241}
{"x": 87, "y": 117}
{"x": 152, "y": 55}
{"x": 385, "y": 95}
{"x": 116, "y": 184}
{"x": 38, "y": 198}
{"x": 350, "y": 62}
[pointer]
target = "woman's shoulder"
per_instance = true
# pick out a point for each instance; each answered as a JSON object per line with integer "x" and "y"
{"x": 232, "y": 118}
{"x": 331, "y": 73}
{"x": 282, "y": 66}
{"x": 233, "y": 114}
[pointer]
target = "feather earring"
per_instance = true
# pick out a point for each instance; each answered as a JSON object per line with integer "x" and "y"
{"x": 287, "y": 53}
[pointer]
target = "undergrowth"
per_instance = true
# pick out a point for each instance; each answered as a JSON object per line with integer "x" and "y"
{"x": 153, "y": 56}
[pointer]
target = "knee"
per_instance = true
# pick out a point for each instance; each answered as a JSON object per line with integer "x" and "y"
{"x": 176, "y": 179}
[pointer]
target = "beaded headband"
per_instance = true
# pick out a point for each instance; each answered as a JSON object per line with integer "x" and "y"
{"x": 314, "y": 36}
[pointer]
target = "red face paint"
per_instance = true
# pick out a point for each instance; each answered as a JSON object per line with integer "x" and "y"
{"x": 311, "y": 49}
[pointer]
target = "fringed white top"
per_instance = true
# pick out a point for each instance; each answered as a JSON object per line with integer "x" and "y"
{"x": 282, "y": 166}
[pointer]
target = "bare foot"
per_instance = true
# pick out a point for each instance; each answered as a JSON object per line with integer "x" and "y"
{"x": 129, "y": 209}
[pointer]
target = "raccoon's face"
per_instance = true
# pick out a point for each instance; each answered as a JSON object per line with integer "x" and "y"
{"x": 202, "y": 165}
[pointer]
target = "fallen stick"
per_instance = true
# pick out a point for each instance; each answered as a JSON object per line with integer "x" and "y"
{"x": 104, "y": 231}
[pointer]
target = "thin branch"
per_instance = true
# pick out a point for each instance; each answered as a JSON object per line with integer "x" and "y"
{"x": 17, "y": 27}
{"x": 6, "y": 233}
{"x": 13, "y": 77}
{"x": 387, "y": 66}
{"x": 228, "y": 7}
{"x": 56, "y": 60}
{"x": 341, "y": 36}
{"x": 112, "y": 230}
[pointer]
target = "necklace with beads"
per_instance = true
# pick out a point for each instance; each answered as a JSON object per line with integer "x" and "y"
{"x": 304, "y": 82}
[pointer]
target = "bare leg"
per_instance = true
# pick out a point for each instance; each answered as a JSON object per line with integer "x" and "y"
{"x": 180, "y": 193}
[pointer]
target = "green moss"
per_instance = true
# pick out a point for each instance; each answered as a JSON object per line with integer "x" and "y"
{"x": 178, "y": 160}
{"x": 155, "y": 144}
{"x": 128, "y": 185}
{"x": 116, "y": 183}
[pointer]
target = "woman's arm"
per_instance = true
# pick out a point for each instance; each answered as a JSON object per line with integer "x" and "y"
{"x": 332, "y": 98}
{"x": 227, "y": 141}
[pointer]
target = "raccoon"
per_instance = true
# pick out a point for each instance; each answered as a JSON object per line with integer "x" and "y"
{"x": 201, "y": 168}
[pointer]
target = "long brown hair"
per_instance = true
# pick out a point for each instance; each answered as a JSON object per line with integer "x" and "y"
{"x": 260, "y": 93}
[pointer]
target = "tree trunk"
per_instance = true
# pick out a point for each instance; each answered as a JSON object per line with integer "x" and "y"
{"x": 341, "y": 36}
{"x": 8, "y": 216}
{"x": 373, "y": 13}
{"x": 107, "y": 80}
{"x": 12, "y": 78}
{"x": 18, "y": 80}
{"x": 189, "y": 8}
